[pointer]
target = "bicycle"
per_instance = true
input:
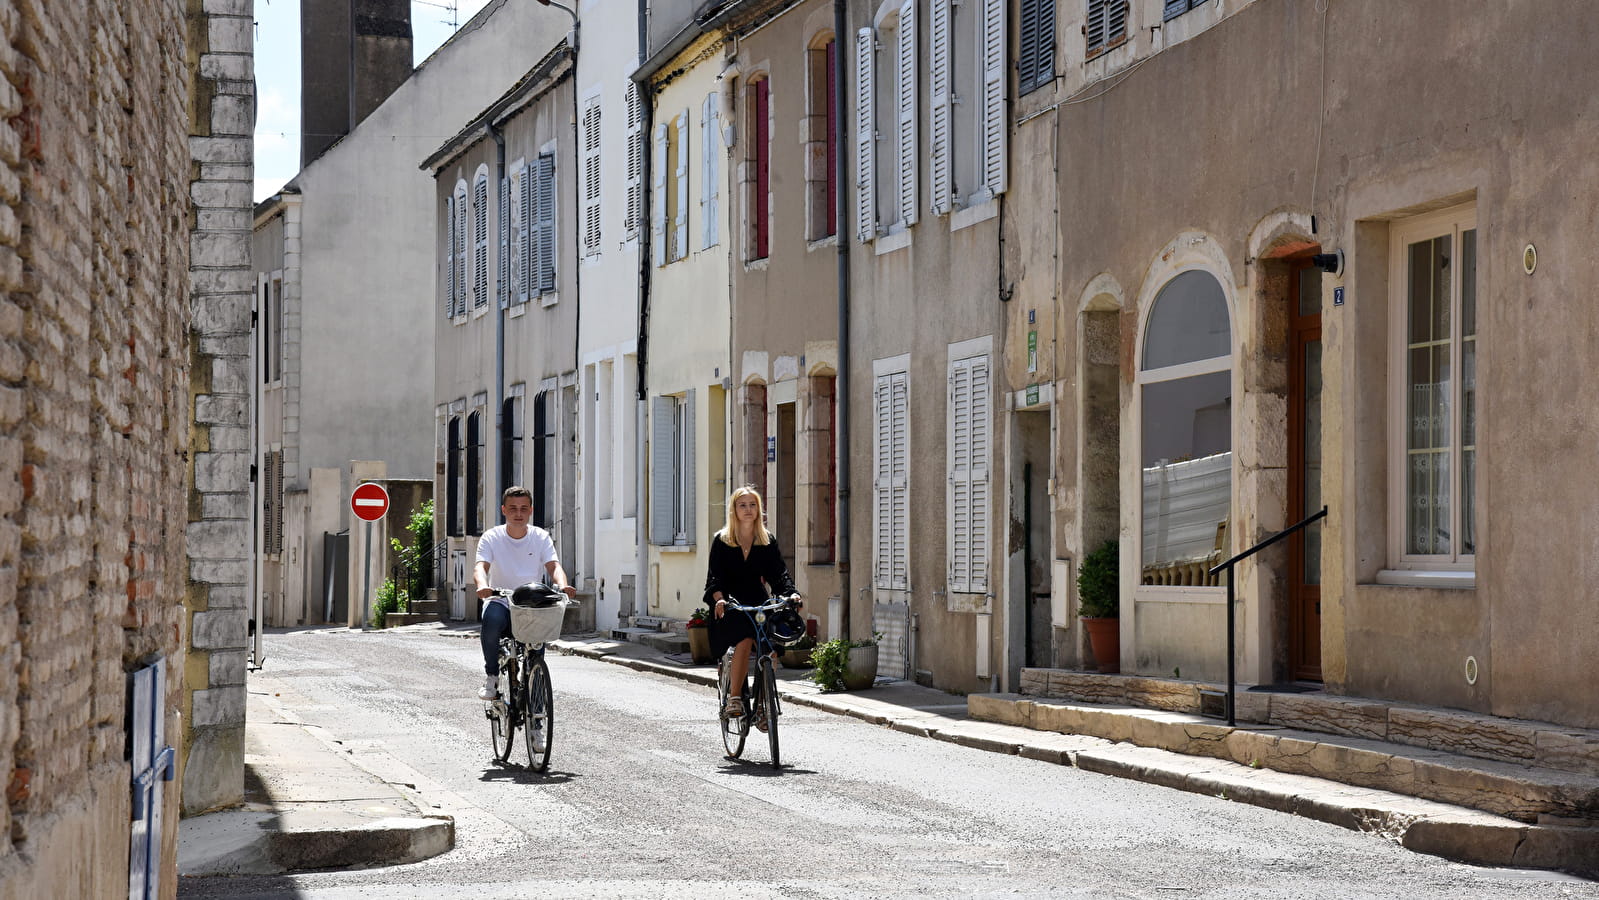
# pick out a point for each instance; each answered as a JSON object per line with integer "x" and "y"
{"x": 525, "y": 698}
{"x": 759, "y": 691}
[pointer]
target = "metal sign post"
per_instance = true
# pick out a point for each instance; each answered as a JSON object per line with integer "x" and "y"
{"x": 369, "y": 502}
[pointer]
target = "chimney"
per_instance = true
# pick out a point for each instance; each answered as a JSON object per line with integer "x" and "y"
{"x": 353, "y": 54}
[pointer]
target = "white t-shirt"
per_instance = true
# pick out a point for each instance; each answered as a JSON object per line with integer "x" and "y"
{"x": 512, "y": 562}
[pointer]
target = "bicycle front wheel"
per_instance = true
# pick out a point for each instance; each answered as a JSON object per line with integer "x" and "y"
{"x": 502, "y": 713}
{"x": 540, "y": 705}
{"x": 733, "y": 728}
{"x": 769, "y": 698}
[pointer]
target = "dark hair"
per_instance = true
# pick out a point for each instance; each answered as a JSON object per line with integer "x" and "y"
{"x": 515, "y": 490}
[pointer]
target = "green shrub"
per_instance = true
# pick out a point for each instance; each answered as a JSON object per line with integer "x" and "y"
{"x": 831, "y": 658}
{"x": 1099, "y": 583}
{"x": 387, "y": 601}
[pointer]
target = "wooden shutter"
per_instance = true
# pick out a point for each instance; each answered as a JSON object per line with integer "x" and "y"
{"x": 882, "y": 492}
{"x": 635, "y": 161}
{"x": 969, "y": 448}
{"x": 480, "y": 241}
{"x": 906, "y": 110}
{"x": 690, "y": 467}
{"x": 663, "y": 481}
{"x": 525, "y": 235}
{"x": 449, "y": 257}
{"x": 891, "y": 482}
{"x": 993, "y": 106}
{"x": 1094, "y": 26}
{"x": 940, "y": 61}
{"x": 591, "y": 178}
{"x": 502, "y": 226}
{"x": 680, "y": 212}
{"x": 1035, "y": 66}
{"x": 518, "y": 251}
{"x": 658, "y": 190}
{"x": 762, "y": 138}
{"x": 710, "y": 187}
{"x": 458, "y": 305}
{"x": 546, "y": 223}
{"x": 1174, "y": 8}
{"x": 865, "y": 136}
{"x": 1115, "y": 22}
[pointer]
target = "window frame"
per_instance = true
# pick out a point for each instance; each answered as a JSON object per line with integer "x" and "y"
{"x": 1452, "y": 222}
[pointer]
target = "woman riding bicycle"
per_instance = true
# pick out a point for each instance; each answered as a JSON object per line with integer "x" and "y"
{"x": 745, "y": 561}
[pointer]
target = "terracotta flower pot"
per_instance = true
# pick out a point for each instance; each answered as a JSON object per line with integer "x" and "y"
{"x": 1105, "y": 640}
{"x": 699, "y": 644}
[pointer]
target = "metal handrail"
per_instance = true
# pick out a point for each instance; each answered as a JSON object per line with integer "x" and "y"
{"x": 1232, "y": 639}
{"x": 401, "y": 573}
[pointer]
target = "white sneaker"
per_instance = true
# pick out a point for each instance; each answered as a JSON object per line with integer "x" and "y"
{"x": 490, "y": 688}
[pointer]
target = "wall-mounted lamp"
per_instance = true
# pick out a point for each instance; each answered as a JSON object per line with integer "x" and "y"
{"x": 1331, "y": 263}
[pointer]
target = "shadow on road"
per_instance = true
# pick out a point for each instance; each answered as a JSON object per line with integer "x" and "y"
{"x": 522, "y": 775}
{"x": 759, "y": 768}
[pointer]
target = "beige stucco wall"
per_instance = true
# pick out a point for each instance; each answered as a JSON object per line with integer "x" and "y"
{"x": 1231, "y": 156}
{"x": 689, "y": 340}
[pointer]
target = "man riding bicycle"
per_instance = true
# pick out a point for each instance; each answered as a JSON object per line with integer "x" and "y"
{"x": 509, "y": 556}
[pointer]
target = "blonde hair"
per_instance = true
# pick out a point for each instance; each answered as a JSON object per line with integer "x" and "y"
{"x": 729, "y": 534}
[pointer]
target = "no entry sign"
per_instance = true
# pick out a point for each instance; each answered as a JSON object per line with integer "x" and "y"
{"x": 370, "y": 502}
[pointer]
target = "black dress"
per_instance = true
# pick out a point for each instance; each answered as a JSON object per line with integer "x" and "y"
{"x": 750, "y": 581}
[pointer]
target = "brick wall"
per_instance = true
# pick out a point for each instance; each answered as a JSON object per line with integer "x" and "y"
{"x": 95, "y": 168}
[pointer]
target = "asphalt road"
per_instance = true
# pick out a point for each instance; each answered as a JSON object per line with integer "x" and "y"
{"x": 640, "y": 802}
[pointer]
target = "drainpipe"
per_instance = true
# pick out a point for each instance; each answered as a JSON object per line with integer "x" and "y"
{"x": 502, "y": 303}
{"x": 841, "y": 388}
{"x": 641, "y": 586}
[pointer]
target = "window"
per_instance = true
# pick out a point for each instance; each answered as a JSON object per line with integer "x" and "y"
{"x": 865, "y": 135}
{"x": 967, "y": 61}
{"x": 454, "y": 475}
{"x": 456, "y": 210}
{"x": 969, "y": 445}
{"x": 669, "y": 230}
{"x": 1185, "y": 385}
{"x": 822, "y": 428}
{"x": 1435, "y": 343}
{"x": 672, "y": 519}
{"x": 821, "y": 138}
{"x": 635, "y": 162}
{"x": 538, "y": 203}
{"x": 543, "y": 447}
{"x": 474, "y": 472}
{"x": 591, "y": 177}
{"x": 480, "y": 241}
{"x": 891, "y": 475}
{"x": 710, "y": 179}
{"x": 1105, "y": 26}
{"x": 511, "y": 438}
{"x": 1175, "y": 8}
{"x": 271, "y": 482}
{"x": 760, "y": 160}
{"x": 1035, "y": 66}
{"x": 271, "y": 325}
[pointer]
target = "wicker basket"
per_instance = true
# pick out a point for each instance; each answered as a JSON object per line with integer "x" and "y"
{"x": 537, "y": 626}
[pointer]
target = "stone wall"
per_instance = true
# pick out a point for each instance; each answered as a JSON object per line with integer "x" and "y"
{"x": 94, "y": 274}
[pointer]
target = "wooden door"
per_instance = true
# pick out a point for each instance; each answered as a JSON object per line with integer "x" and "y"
{"x": 1304, "y": 472}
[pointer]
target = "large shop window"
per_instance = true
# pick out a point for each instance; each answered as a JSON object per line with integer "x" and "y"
{"x": 1185, "y": 381}
{"x": 1437, "y": 379}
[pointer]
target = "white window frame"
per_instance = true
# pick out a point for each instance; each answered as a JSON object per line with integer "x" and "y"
{"x": 1455, "y": 568}
{"x": 969, "y": 450}
{"x": 895, "y": 556}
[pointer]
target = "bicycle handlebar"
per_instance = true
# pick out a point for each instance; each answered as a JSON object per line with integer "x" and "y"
{"x": 773, "y": 605}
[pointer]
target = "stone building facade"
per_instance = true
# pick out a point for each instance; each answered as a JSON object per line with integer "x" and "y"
{"x": 97, "y": 235}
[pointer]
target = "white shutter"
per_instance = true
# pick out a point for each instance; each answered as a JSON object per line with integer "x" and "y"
{"x": 458, "y": 307}
{"x": 502, "y": 225}
{"x": 993, "y": 109}
{"x": 480, "y": 241}
{"x": 865, "y": 136}
{"x": 882, "y": 492}
{"x": 969, "y": 428}
{"x": 658, "y": 191}
{"x": 906, "y": 110}
{"x": 899, "y": 481}
{"x": 710, "y": 122}
{"x": 680, "y": 214}
{"x": 591, "y": 178}
{"x": 528, "y": 257}
{"x": 690, "y": 468}
{"x": 663, "y": 446}
{"x": 940, "y": 61}
{"x": 635, "y": 160}
{"x": 546, "y": 224}
{"x": 518, "y": 253}
{"x": 449, "y": 257}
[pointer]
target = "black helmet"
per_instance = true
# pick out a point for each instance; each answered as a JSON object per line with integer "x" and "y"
{"x": 536, "y": 595}
{"x": 785, "y": 627}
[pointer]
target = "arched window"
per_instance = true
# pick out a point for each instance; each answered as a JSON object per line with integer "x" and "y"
{"x": 1185, "y": 384}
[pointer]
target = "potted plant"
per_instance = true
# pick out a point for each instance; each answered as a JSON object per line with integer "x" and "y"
{"x": 798, "y": 655}
{"x": 845, "y": 665}
{"x": 1099, "y": 604}
{"x": 699, "y": 637}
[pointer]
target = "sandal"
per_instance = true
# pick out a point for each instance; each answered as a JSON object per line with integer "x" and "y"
{"x": 734, "y": 708}
{"x": 760, "y": 719}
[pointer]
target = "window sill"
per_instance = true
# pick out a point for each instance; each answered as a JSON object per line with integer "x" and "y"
{"x": 894, "y": 240}
{"x": 480, "y": 311}
{"x": 757, "y": 265}
{"x": 517, "y": 310}
{"x": 550, "y": 299}
{"x": 971, "y": 215}
{"x": 1427, "y": 579}
{"x": 676, "y": 548}
{"x": 825, "y": 243}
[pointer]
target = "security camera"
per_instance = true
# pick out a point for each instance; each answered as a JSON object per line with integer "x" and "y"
{"x": 1331, "y": 263}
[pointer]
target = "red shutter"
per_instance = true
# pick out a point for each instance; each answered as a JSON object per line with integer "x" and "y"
{"x": 763, "y": 161}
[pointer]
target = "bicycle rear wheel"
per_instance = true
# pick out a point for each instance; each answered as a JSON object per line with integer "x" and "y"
{"x": 733, "y": 728}
{"x": 503, "y": 712}
{"x": 769, "y": 698}
{"x": 540, "y": 706}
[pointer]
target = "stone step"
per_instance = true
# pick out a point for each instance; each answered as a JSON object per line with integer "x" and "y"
{"x": 428, "y": 607}
{"x": 665, "y": 641}
{"x": 1524, "y": 793}
{"x": 396, "y": 619}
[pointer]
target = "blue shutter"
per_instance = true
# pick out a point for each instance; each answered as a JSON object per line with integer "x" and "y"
{"x": 663, "y": 444}
{"x": 546, "y": 223}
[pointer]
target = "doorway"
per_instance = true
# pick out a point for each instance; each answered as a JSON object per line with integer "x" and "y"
{"x": 786, "y": 480}
{"x": 1304, "y": 471}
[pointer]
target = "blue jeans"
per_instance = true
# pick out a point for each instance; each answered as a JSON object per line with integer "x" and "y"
{"x": 496, "y": 624}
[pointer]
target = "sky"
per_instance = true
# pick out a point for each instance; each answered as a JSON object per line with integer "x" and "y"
{"x": 277, "y": 77}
